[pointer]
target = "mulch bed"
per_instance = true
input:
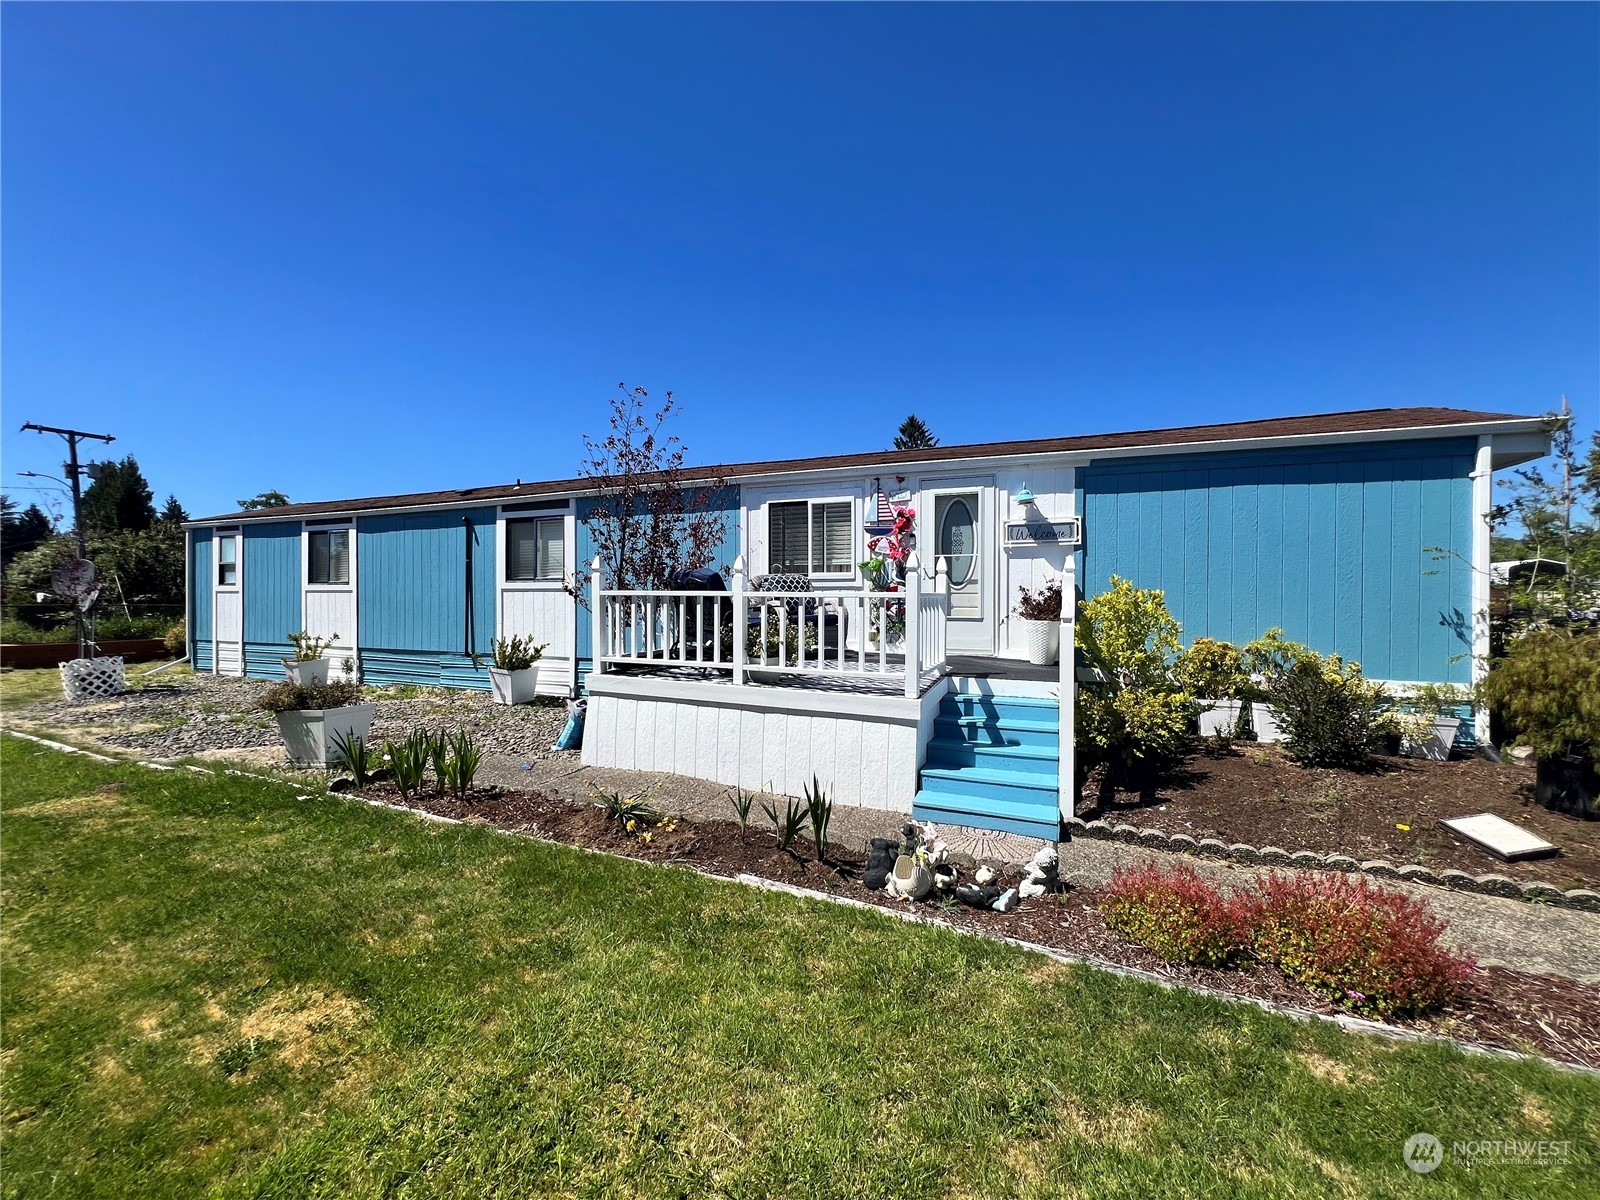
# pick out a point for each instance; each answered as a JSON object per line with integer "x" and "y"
{"x": 1257, "y": 795}
{"x": 1513, "y": 1010}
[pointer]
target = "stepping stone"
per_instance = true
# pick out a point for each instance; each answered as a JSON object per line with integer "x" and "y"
{"x": 1499, "y": 837}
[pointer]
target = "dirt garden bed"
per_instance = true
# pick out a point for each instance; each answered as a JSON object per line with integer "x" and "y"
{"x": 1510, "y": 1009}
{"x": 1255, "y": 794}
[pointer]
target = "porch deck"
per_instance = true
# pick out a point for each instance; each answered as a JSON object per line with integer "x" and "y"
{"x": 830, "y": 677}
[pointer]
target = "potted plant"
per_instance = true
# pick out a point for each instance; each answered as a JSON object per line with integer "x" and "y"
{"x": 1213, "y": 673}
{"x": 1548, "y": 690}
{"x": 514, "y": 678}
{"x": 315, "y": 717}
{"x": 1427, "y": 722}
{"x": 1040, "y": 612}
{"x": 308, "y": 666}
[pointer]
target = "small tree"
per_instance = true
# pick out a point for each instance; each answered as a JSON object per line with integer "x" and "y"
{"x": 263, "y": 500}
{"x": 651, "y": 519}
{"x": 21, "y": 531}
{"x": 173, "y": 513}
{"x": 914, "y": 434}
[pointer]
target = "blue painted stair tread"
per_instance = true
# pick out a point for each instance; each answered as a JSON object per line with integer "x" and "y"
{"x": 994, "y": 763}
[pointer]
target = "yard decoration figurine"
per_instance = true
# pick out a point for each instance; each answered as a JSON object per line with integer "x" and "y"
{"x": 1041, "y": 875}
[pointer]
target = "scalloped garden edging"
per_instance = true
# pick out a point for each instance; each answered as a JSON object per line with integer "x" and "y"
{"x": 1536, "y": 891}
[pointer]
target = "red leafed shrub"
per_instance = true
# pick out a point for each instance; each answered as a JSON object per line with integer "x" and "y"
{"x": 1371, "y": 950}
{"x": 1177, "y": 914}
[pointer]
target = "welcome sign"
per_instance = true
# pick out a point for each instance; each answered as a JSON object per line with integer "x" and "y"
{"x": 1044, "y": 533}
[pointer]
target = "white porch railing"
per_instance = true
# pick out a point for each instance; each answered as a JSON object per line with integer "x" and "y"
{"x": 846, "y": 634}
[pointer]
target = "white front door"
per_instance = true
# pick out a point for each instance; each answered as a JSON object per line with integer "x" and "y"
{"x": 960, "y": 538}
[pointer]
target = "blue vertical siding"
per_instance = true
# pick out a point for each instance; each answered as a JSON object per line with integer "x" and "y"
{"x": 271, "y": 573}
{"x": 200, "y": 635}
{"x": 724, "y": 502}
{"x": 412, "y": 596}
{"x": 1330, "y": 544}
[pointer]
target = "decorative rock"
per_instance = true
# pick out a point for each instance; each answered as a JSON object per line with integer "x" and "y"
{"x": 1543, "y": 893}
{"x": 985, "y": 876}
{"x": 881, "y": 853}
{"x": 1182, "y": 843}
{"x": 1417, "y": 873}
{"x": 1096, "y": 829}
{"x": 1305, "y": 860}
{"x": 1153, "y": 839}
{"x": 1073, "y": 823}
{"x": 1272, "y": 856}
{"x": 1243, "y": 852}
{"x": 1380, "y": 868}
{"x": 1499, "y": 885}
{"x": 1006, "y": 902}
{"x": 1459, "y": 880}
{"x": 1583, "y": 899}
{"x": 1126, "y": 833}
{"x": 1213, "y": 848}
{"x": 1341, "y": 862}
{"x": 1522, "y": 753}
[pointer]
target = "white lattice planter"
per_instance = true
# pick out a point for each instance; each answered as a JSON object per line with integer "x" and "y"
{"x": 85, "y": 679}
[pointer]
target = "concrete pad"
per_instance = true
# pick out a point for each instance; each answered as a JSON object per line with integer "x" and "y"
{"x": 1499, "y": 837}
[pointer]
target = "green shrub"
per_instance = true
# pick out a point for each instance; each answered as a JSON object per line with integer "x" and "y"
{"x": 1330, "y": 716}
{"x": 1128, "y": 633}
{"x": 1548, "y": 689}
{"x": 295, "y": 697}
{"x": 176, "y": 638}
{"x": 1271, "y": 656}
{"x": 517, "y": 653}
{"x": 1212, "y": 669}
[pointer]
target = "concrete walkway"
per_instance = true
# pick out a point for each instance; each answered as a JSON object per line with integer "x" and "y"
{"x": 1497, "y": 932}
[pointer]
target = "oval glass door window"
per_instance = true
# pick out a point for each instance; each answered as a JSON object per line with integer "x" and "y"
{"x": 958, "y": 539}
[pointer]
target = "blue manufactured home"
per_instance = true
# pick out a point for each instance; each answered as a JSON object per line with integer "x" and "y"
{"x": 1359, "y": 533}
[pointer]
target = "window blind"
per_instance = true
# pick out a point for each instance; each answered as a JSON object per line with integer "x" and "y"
{"x": 535, "y": 549}
{"x": 787, "y": 548}
{"x": 330, "y": 557}
{"x": 831, "y": 541}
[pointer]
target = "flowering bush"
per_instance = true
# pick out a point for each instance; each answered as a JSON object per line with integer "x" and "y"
{"x": 1371, "y": 950}
{"x": 1177, "y": 914}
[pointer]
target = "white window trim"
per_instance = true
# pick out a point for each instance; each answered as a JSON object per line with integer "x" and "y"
{"x": 568, "y": 528}
{"x": 305, "y": 557}
{"x": 857, "y": 550}
{"x": 238, "y": 561}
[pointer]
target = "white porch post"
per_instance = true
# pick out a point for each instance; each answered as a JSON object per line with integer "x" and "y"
{"x": 1482, "y": 499}
{"x": 741, "y": 620}
{"x": 1067, "y": 768}
{"x": 602, "y": 631}
{"x": 913, "y": 625}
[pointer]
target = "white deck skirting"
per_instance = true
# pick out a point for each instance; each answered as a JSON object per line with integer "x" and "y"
{"x": 864, "y": 747}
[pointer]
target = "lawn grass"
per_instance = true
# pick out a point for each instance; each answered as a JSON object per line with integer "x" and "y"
{"x": 213, "y": 986}
{"x": 19, "y": 688}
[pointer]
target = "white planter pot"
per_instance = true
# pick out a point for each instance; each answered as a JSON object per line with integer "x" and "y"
{"x": 514, "y": 687}
{"x": 310, "y": 734}
{"x": 1222, "y": 718}
{"x": 1265, "y": 722}
{"x": 911, "y": 879}
{"x": 85, "y": 679}
{"x": 1436, "y": 746}
{"x": 1043, "y": 640}
{"x": 306, "y": 673}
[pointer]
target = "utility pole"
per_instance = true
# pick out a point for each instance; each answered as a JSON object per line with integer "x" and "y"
{"x": 73, "y": 437}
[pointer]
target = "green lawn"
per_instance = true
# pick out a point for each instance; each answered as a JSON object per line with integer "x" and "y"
{"x": 18, "y": 688}
{"x": 212, "y": 986}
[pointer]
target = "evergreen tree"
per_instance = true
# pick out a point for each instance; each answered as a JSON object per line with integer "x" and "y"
{"x": 264, "y": 500}
{"x": 914, "y": 435}
{"x": 21, "y": 531}
{"x": 173, "y": 513}
{"x": 120, "y": 498}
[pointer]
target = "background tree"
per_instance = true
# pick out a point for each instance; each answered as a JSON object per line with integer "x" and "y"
{"x": 264, "y": 500}
{"x": 119, "y": 499}
{"x": 173, "y": 513}
{"x": 21, "y": 530}
{"x": 914, "y": 435}
{"x": 651, "y": 520}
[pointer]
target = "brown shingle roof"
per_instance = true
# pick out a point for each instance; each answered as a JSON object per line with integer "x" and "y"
{"x": 1371, "y": 420}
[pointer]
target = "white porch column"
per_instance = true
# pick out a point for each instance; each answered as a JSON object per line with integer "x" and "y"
{"x": 1482, "y": 501}
{"x": 741, "y": 620}
{"x": 1067, "y": 794}
{"x": 602, "y": 630}
{"x": 913, "y": 625}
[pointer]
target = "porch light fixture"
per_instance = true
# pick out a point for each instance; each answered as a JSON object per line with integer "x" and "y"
{"x": 1024, "y": 497}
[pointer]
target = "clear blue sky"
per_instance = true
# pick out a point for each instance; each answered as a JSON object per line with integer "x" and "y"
{"x": 346, "y": 250}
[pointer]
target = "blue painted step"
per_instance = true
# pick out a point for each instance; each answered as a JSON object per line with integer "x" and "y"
{"x": 982, "y": 730}
{"x": 1022, "y": 760}
{"x": 1040, "y": 820}
{"x": 993, "y": 763}
{"x": 1017, "y": 708}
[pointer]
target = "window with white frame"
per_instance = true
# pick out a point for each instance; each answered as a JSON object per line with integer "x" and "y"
{"x": 329, "y": 553}
{"x": 813, "y": 537}
{"x": 227, "y": 562}
{"x": 536, "y": 549}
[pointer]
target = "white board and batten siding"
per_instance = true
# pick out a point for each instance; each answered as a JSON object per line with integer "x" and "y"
{"x": 227, "y": 605}
{"x": 865, "y": 750}
{"x": 540, "y": 609}
{"x": 1030, "y": 567}
{"x": 329, "y": 609}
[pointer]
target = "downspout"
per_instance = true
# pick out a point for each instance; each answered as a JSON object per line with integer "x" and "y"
{"x": 466, "y": 624}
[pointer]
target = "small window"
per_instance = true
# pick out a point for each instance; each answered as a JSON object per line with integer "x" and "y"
{"x": 811, "y": 538}
{"x": 227, "y": 562}
{"x": 330, "y": 556}
{"x": 536, "y": 549}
